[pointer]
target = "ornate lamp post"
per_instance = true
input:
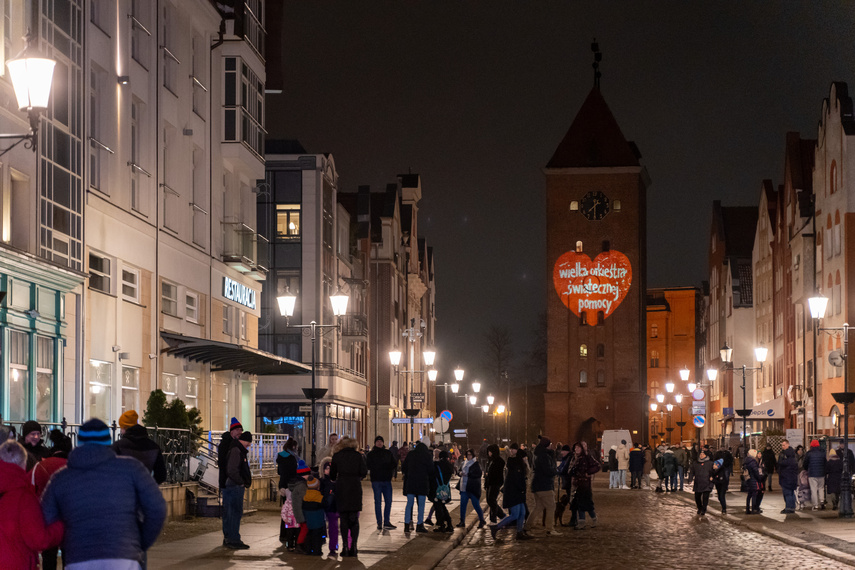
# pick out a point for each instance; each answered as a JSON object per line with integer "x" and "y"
{"x": 727, "y": 357}
{"x": 413, "y": 333}
{"x": 287, "y": 302}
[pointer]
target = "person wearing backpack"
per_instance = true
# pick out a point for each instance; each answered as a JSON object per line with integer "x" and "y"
{"x": 441, "y": 492}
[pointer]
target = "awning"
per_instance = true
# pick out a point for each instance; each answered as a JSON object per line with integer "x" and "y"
{"x": 771, "y": 410}
{"x": 228, "y": 356}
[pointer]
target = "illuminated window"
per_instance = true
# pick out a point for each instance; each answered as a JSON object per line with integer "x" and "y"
{"x": 288, "y": 221}
{"x": 574, "y": 206}
{"x": 578, "y": 247}
{"x": 616, "y": 205}
{"x": 654, "y": 359}
{"x": 654, "y": 330}
{"x": 583, "y": 351}
{"x": 583, "y": 378}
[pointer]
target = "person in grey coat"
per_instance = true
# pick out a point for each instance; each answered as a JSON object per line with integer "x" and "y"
{"x": 702, "y": 472}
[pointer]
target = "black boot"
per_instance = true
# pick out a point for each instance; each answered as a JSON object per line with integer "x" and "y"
{"x": 421, "y": 528}
{"x": 407, "y": 527}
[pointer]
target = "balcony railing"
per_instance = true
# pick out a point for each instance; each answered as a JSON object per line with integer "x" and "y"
{"x": 354, "y": 327}
{"x": 239, "y": 246}
{"x": 262, "y": 257}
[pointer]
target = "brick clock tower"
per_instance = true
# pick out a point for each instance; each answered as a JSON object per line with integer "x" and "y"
{"x": 596, "y": 245}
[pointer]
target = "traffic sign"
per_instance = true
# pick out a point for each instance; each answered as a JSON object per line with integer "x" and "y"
{"x": 699, "y": 408}
{"x": 446, "y": 414}
{"x": 418, "y": 397}
{"x": 412, "y": 420}
{"x": 699, "y": 421}
{"x": 460, "y": 432}
{"x": 305, "y": 408}
{"x": 400, "y": 420}
{"x": 422, "y": 420}
{"x": 699, "y": 394}
{"x": 440, "y": 424}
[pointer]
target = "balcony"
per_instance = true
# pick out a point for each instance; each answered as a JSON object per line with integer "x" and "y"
{"x": 262, "y": 258}
{"x": 354, "y": 328}
{"x": 239, "y": 246}
{"x": 241, "y": 127}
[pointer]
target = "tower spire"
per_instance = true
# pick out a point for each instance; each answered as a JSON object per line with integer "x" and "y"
{"x": 598, "y": 57}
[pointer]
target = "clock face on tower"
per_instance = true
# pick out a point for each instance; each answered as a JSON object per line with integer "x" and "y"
{"x": 594, "y": 206}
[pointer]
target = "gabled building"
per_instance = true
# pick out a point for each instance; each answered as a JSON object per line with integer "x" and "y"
{"x": 764, "y": 287}
{"x": 731, "y": 312}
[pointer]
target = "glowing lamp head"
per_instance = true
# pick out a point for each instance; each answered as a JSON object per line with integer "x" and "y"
{"x": 339, "y": 303}
{"x": 287, "y": 303}
{"x": 726, "y": 353}
{"x": 684, "y": 374}
{"x": 31, "y": 80}
{"x": 760, "y": 353}
{"x": 490, "y": 399}
{"x": 653, "y": 406}
{"x": 432, "y": 374}
{"x": 660, "y": 398}
{"x": 669, "y": 407}
{"x": 458, "y": 374}
{"x": 455, "y": 388}
{"x": 429, "y": 356}
{"x": 678, "y": 398}
{"x": 473, "y": 400}
{"x": 817, "y": 306}
{"x": 476, "y": 387}
{"x": 691, "y": 386}
{"x": 395, "y": 357}
{"x": 485, "y": 408}
{"x": 500, "y": 409}
{"x": 712, "y": 374}
{"x": 669, "y": 387}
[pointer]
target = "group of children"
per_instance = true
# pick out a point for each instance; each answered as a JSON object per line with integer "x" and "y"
{"x": 309, "y": 504}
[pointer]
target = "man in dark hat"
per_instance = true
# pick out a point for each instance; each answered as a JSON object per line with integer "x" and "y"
{"x": 31, "y": 439}
{"x": 382, "y": 465}
{"x": 238, "y": 477}
{"x": 112, "y": 509}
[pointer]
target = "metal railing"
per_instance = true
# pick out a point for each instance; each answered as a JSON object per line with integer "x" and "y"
{"x": 175, "y": 443}
{"x": 238, "y": 243}
{"x": 262, "y": 452}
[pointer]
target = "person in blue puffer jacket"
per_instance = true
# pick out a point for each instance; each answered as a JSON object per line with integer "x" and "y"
{"x": 112, "y": 508}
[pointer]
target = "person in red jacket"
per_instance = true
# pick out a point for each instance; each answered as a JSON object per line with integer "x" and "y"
{"x": 23, "y": 533}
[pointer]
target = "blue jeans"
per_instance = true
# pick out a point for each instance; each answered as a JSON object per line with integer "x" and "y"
{"x": 680, "y": 475}
{"x": 408, "y": 510}
{"x": 515, "y": 513}
{"x": 232, "y": 511}
{"x": 614, "y": 479}
{"x": 382, "y": 490}
{"x": 622, "y": 477}
{"x": 476, "y": 504}
{"x": 789, "y": 498}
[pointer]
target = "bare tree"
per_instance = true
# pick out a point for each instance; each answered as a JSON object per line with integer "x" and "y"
{"x": 497, "y": 353}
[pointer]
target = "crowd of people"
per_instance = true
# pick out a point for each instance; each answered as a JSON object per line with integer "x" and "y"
{"x": 99, "y": 501}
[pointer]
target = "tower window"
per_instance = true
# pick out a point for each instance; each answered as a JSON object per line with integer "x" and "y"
{"x": 583, "y": 351}
{"x": 574, "y": 206}
{"x": 616, "y": 205}
{"x": 601, "y": 378}
{"x": 578, "y": 247}
{"x": 654, "y": 359}
{"x": 583, "y": 378}
{"x": 654, "y": 330}
{"x": 601, "y": 351}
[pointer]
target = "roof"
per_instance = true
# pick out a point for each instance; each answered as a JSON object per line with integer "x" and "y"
{"x": 594, "y": 139}
{"x": 746, "y": 279}
{"x": 228, "y": 356}
{"x": 739, "y": 224}
{"x": 409, "y": 180}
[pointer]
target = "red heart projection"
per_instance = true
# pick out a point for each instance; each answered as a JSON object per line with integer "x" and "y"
{"x": 592, "y": 286}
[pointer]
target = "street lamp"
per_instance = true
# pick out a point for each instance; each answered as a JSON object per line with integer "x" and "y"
{"x": 287, "y": 303}
{"x": 653, "y": 406}
{"x": 660, "y": 398}
{"x": 684, "y": 374}
{"x": 476, "y": 387}
{"x": 490, "y": 399}
{"x": 458, "y": 374}
{"x": 817, "y": 310}
{"x": 32, "y": 76}
{"x": 473, "y": 400}
{"x": 727, "y": 357}
{"x": 455, "y": 388}
{"x": 413, "y": 333}
{"x": 669, "y": 387}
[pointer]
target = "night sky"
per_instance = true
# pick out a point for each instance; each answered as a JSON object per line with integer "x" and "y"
{"x": 475, "y": 97}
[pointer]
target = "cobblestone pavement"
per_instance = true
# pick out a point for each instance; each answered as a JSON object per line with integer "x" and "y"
{"x": 637, "y": 529}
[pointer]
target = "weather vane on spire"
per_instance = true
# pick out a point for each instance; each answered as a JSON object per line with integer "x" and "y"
{"x": 598, "y": 57}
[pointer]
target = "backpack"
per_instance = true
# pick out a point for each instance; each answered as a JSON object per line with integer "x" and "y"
{"x": 443, "y": 491}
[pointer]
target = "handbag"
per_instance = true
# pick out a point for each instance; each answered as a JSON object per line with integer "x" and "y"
{"x": 443, "y": 491}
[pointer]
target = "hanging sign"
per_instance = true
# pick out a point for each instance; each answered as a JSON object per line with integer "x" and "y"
{"x": 591, "y": 287}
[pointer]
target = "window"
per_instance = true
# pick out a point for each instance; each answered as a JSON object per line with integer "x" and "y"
{"x": 838, "y": 295}
{"x": 200, "y": 202}
{"x": 191, "y": 307}
{"x": 191, "y": 392}
{"x": 837, "y": 235}
{"x": 130, "y": 388}
{"x": 583, "y": 318}
{"x": 244, "y": 106}
{"x": 100, "y": 12}
{"x": 169, "y": 385}
{"x": 242, "y": 324}
{"x": 98, "y": 150}
{"x": 199, "y": 76}
{"x": 578, "y": 247}
{"x": 601, "y": 378}
{"x": 583, "y": 351}
{"x": 99, "y": 273}
{"x": 139, "y": 31}
{"x": 19, "y": 374}
{"x": 227, "y": 320}
{"x": 654, "y": 359}
{"x": 170, "y": 61}
{"x": 137, "y": 109}
{"x": 45, "y": 391}
{"x": 100, "y": 390}
{"x": 601, "y": 351}
{"x": 832, "y": 177}
{"x": 169, "y": 298}
{"x": 616, "y": 205}
{"x": 654, "y": 330}
{"x": 288, "y": 221}
{"x": 131, "y": 284}
{"x": 583, "y": 378}
{"x": 574, "y": 205}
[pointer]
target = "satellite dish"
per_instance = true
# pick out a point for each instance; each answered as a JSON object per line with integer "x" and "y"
{"x": 835, "y": 358}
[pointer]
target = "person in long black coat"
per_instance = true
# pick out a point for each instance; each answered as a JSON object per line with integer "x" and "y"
{"x": 444, "y": 471}
{"x": 702, "y": 471}
{"x": 788, "y": 476}
{"x": 833, "y": 476}
{"x": 493, "y": 481}
{"x": 348, "y": 469}
{"x": 769, "y": 463}
{"x": 286, "y": 467}
{"x": 418, "y": 472}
